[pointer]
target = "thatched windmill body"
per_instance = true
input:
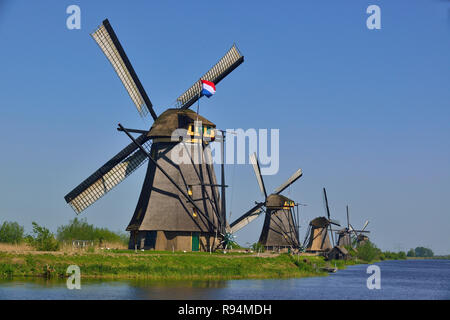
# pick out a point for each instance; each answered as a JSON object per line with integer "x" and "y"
{"x": 317, "y": 237}
{"x": 180, "y": 206}
{"x": 344, "y": 235}
{"x": 281, "y": 222}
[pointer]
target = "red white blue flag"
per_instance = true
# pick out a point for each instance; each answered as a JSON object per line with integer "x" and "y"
{"x": 208, "y": 88}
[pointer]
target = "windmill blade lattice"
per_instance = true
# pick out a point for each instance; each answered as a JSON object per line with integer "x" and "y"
{"x": 108, "y": 42}
{"x": 108, "y": 176}
{"x": 230, "y": 61}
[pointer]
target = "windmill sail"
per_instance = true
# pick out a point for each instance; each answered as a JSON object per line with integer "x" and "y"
{"x": 279, "y": 224}
{"x": 297, "y": 174}
{"x": 246, "y": 218}
{"x": 259, "y": 177}
{"x": 109, "y": 43}
{"x": 230, "y": 61}
{"x": 108, "y": 176}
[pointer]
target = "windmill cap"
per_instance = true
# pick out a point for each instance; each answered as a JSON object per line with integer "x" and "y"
{"x": 319, "y": 222}
{"x": 277, "y": 201}
{"x": 173, "y": 119}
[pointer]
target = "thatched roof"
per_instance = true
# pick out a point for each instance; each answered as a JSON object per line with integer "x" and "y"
{"x": 276, "y": 201}
{"x": 173, "y": 119}
{"x": 319, "y": 222}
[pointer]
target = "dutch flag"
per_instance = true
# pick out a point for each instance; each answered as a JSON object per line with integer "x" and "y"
{"x": 208, "y": 88}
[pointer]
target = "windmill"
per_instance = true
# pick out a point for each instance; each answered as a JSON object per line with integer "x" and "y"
{"x": 345, "y": 235}
{"x": 179, "y": 205}
{"x": 281, "y": 223}
{"x": 360, "y": 236}
{"x": 317, "y": 238}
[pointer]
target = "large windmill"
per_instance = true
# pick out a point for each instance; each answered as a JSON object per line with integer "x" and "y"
{"x": 180, "y": 207}
{"x": 345, "y": 234}
{"x": 317, "y": 237}
{"x": 281, "y": 224}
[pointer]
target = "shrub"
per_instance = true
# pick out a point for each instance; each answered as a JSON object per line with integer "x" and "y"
{"x": 42, "y": 239}
{"x": 80, "y": 229}
{"x": 11, "y": 232}
{"x": 368, "y": 252}
{"x": 411, "y": 253}
{"x": 402, "y": 255}
{"x": 258, "y": 247}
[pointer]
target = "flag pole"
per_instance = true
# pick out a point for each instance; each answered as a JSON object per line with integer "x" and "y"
{"x": 199, "y": 96}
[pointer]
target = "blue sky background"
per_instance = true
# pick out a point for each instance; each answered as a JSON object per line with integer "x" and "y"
{"x": 365, "y": 113}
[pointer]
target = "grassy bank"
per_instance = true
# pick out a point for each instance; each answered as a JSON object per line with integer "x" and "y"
{"x": 187, "y": 266}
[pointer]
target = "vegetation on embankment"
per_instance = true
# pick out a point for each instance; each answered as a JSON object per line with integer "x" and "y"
{"x": 368, "y": 253}
{"x": 122, "y": 264}
{"x": 420, "y": 252}
{"x": 166, "y": 265}
{"x": 42, "y": 239}
{"x": 160, "y": 266}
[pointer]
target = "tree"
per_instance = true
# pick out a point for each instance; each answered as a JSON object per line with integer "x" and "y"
{"x": 411, "y": 253}
{"x": 11, "y": 232}
{"x": 424, "y": 252}
{"x": 42, "y": 239}
{"x": 368, "y": 252}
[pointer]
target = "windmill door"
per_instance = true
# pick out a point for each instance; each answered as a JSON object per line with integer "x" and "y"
{"x": 195, "y": 241}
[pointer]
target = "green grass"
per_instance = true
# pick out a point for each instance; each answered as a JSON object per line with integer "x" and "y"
{"x": 156, "y": 266}
{"x": 166, "y": 265}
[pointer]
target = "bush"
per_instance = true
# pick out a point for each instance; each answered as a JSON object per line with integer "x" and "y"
{"x": 258, "y": 247}
{"x": 402, "y": 255}
{"x": 80, "y": 229}
{"x": 368, "y": 252}
{"x": 411, "y": 253}
{"x": 11, "y": 232}
{"x": 42, "y": 239}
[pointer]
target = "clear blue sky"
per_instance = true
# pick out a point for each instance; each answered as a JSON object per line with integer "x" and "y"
{"x": 365, "y": 113}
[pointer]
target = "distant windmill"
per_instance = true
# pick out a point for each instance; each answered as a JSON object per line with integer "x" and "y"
{"x": 345, "y": 235}
{"x": 317, "y": 237}
{"x": 179, "y": 207}
{"x": 359, "y": 235}
{"x": 280, "y": 229}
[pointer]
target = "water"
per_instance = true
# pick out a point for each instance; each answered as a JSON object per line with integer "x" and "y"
{"x": 410, "y": 279}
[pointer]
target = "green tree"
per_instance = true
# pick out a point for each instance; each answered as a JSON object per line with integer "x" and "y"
{"x": 411, "y": 253}
{"x": 11, "y": 232}
{"x": 368, "y": 252}
{"x": 424, "y": 252}
{"x": 42, "y": 239}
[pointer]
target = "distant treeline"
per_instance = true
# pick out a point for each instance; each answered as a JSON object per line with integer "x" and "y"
{"x": 370, "y": 252}
{"x": 43, "y": 239}
{"x": 420, "y": 252}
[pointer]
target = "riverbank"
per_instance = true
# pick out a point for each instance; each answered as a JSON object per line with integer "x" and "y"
{"x": 165, "y": 265}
